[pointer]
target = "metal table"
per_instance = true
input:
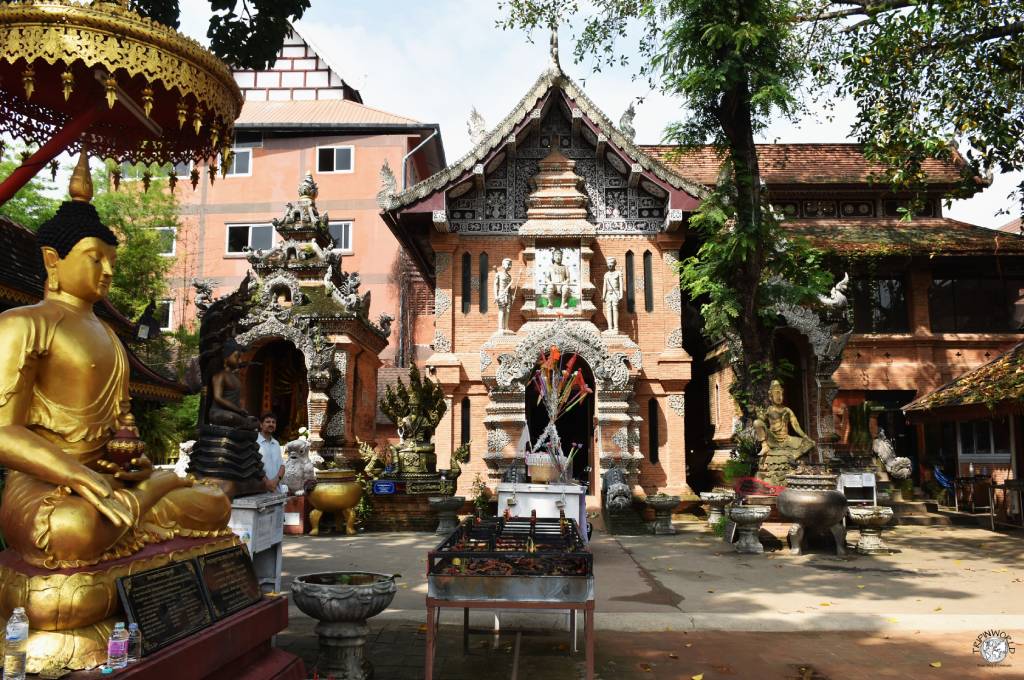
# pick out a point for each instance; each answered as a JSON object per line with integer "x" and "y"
{"x": 969, "y": 485}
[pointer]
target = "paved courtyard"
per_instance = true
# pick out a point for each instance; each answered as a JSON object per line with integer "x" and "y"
{"x": 686, "y": 605}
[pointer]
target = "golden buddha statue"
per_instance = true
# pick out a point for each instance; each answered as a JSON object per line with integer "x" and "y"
{"x": 780, "y": 450}
{"x": 67, "y": 504}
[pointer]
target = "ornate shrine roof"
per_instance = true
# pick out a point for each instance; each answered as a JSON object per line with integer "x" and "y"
{"x": 799, "y": 164}
{"x": 999, "y": 383}
{"x": 551, "y": 79}
{"x": 880, "y": 236}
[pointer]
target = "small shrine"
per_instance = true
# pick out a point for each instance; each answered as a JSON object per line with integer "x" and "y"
{"x": 309, "y": 350}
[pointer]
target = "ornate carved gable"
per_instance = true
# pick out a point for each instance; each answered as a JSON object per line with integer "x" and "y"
{"x": 499, "y": 205}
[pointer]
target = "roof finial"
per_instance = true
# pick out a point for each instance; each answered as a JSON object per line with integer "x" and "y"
{"x": 554, "y": 48}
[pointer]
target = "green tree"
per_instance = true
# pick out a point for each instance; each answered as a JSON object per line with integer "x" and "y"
{"x": 135, "y": 216}
{"x": 245, "y": 33}
{"x": 35, "y": 202}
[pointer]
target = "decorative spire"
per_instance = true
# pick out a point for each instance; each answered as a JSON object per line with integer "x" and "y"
{"x": 307, "y": 187}
{"x": 388, "y": 186}
{"x": 554, "y": 49}
{"x": 476, "y": 127}
{"x": 80, "y": 186}
{"x": 626, "y": 122}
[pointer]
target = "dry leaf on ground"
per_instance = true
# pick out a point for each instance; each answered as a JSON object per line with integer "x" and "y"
{"x": 936, "y": 664}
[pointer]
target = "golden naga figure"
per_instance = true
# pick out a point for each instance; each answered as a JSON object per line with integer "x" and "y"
{"x": 68, "y": 502}
{"x": 780, "y": 450}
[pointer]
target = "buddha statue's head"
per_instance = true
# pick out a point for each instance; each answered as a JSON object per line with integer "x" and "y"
{"x": 557, "y": 256}
{"x": 78, "y": 249}
{"x": 231, "y": 353}
{"x": 775, "y": 393}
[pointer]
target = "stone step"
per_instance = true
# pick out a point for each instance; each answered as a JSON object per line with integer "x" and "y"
{"x": 917, "y": 513}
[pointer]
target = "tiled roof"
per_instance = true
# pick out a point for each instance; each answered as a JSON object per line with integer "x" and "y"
{"x": 21, "y": 265}
{"x": 795, "y": 164}
{"x": 889, "y": 236}
{"x": 320, "y": 112}
{"x": 1012, "y": 227}
{"x": 999, "y": 381}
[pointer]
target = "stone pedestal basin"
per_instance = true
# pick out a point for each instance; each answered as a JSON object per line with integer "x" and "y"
{"x": 446, "y": 508}
{"x": 870, "y": 520}
{"x": 663, "y": 506}
{"x": 717, "y": 500}
{"x": 748, "y": 520}
{"x": 342, "y": 601}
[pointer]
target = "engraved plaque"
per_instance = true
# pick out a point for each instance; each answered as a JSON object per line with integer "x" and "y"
{"x": 229, "y": 581}
{"x": 168, "y": 604}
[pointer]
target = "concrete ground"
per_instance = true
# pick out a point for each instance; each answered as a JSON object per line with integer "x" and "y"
{"x": 686, "y": 605}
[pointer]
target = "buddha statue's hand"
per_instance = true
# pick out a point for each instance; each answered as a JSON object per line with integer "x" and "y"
{"x": 91, "y": 486}
{"x": 139, "y": 469}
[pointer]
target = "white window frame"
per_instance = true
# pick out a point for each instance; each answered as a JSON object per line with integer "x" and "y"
{"x": 188, "y": 173}
{"x": 352, "y": 153}
{"x": 234, "y": 154}
{"x": 993, "y": 458}
{"x": 170, "y": 315}
{"x": 174, "y": 241}
{"x": 351, "y": 236}
{"x": 227, "y": 236}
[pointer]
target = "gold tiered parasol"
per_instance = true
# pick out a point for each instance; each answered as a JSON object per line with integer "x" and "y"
{"x": 129, "y": 88}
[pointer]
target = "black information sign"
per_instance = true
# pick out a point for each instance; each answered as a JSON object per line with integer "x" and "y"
{"x": 167, "y": 603}
{"x": 228, "y": 580}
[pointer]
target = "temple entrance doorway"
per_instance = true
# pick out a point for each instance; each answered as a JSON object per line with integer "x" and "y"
{"x": 575, "y": 427}
{"x": 276, "y": 381}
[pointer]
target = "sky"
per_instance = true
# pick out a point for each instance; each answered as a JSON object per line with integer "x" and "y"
{"x": 434, "y": 61}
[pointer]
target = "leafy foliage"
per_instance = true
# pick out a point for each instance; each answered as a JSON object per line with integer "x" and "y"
{"x": 34, "y": 202}
{"x": 163, "y": 427}
{"x": 245, "y": 33}
{"x": 926, "y": 76}
{"x": 135, "y": 215}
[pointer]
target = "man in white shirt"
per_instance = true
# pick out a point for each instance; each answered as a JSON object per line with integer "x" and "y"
{"x": 270, "y": 450}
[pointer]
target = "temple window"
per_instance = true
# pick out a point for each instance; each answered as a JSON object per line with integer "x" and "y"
{"x": 467, "y": 282}
{"x": 341, "y": 232}
{"x": 630, "y": 283}
{"x": 979, "y": 438}
{"x": 466, "y": 421}
{"x": 335, "y": 159}
{"x": 976, "y": 304}
{"x": 166, "y": 239}
{"x": 483, "y": 283}
{"x": 880, "y": 305}
{"x": 652, "y": 429}
{"x": 648, "y": 281}
{"x": 252, "y": 236}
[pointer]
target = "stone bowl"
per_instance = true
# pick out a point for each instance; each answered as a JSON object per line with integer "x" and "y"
{"x": 662, "y": 502}
{"x": 749, "y": 514}
{"x": 812, "y": 501}
{"x": 870, "y": 517}
{"x": 343, "y": 596}
{"x": 723, "y": 496}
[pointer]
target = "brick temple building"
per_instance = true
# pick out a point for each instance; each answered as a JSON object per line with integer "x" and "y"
{"x": 931, "y": 299}
{"x": 300, "y": 116}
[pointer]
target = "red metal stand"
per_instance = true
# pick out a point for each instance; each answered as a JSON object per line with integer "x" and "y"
{"x": 46, "y": 153}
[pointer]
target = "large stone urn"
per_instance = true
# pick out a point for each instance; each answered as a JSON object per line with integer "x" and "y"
{"x": 336, "y": 491}
{"x": 446, "y": 508}
{"x": 342, "y": 601}
{"x": 870, "y": 519}
{"x": 748, "y": 519}
{"x": 812, "y": 502}
{"x": 663, "y": 506}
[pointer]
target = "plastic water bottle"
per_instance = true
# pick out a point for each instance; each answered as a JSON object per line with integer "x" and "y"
{"x": 117, "y": 647}
{"x": 16, "y": 642}
{"x": 134, "y": 643}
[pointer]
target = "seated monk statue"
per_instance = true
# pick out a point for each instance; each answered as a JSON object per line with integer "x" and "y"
{"x": 63, "y": 394}
{"x": 226, "y": 392}
{"x": 779, "y": 449}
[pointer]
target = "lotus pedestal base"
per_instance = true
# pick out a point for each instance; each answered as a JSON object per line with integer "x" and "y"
{"x": 341, "y": 648}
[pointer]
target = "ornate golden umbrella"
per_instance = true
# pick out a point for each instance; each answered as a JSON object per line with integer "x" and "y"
{"x": 98, "y": 74}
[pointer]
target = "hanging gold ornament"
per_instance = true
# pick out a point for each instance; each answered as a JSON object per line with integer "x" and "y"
{"x": 146, "y": 179}
{"x": 194, "y": 176}
{"x": 214, "y": 135}
{"x": 67, "y": 80}
{"x": 28, "y": 79}
{"x": 115, "y": 177}
{"x": 25, "y": 155}
{"x": 172, "y": 179}
{"x": 110, "y": 85}
{"x": 147, "y": 100}
{"x": 213, "y": 173}
{"x": 197, "y": 119}
{"x": 54, "y": 166}
{"x": 182, "y": 113}
{"x": 227, "y": 156}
